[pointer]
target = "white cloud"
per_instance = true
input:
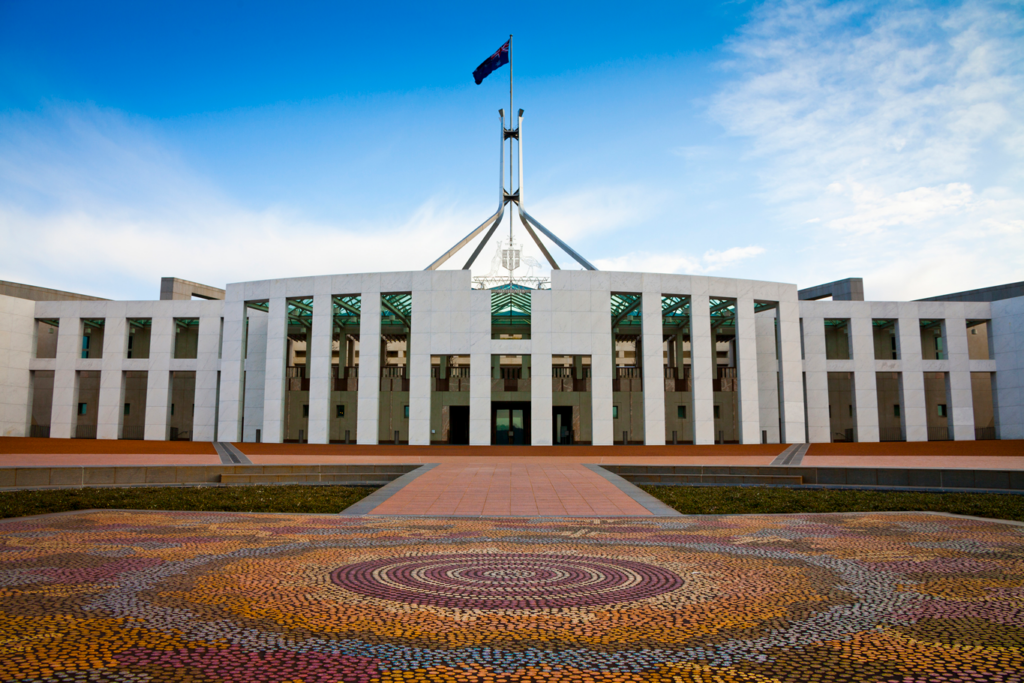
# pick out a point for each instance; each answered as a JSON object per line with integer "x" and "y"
{"x": 888, "y": 135}
{"x": 711, "y": 261}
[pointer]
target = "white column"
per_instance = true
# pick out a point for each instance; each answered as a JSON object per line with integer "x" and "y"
{"x": 961, "y": 397}
{"x": 274, "y": 372}
{"x": 913, "y": 411}
{"x": 229, "y": 426}
{"x": 204, "y": 420}
{"x": 255, "y": 369}
{"x": 703, "y": 360}
{"x": 865, "y": 387}
{"x": 369, "y": 368}
{"x": 791, "y": 371}
{"x": 480, "y": 368}
{"x": 767, "y": 375}
{"x": 17, "y": 338}
{"x": 110, "y": 415}
{"x": 601, "y": 367}
{"x": 654, "y": 374}
{"x": 158, "y": 382}
{"x": 540, "y": 399}
{"x": 540, "y": 367}
{"x": 746, "y": 350}
{"x": 819, "y": 429}
{"x": 419, "y": 350}
{"x": 63, "y": 414}
{"x": 318, "y": 363}
{"x": 1008, "y": 352}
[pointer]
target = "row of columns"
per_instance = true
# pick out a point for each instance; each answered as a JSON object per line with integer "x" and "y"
{"x": 910, "y": 365}
{"x": 112, "y": 366}
{"x": 703, "y": 360}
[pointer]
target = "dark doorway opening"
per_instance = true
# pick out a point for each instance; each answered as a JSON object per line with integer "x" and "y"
{"x": 458, "y": 425}
{"x": 510, "y": 423}
{"x": 561, "y": 424}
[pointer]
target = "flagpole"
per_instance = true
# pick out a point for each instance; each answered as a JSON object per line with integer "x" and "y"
{"x": 510, "y": 119}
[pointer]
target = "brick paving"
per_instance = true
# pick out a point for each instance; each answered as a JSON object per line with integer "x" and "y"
{"x": 164, "y": 597}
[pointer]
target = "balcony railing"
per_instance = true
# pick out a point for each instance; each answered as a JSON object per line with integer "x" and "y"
{"x": 891, "y": 434}
{"x": 984, "y": 433}
{"x": 39, "y": 431}
{"x": 938, "y": 433}
{"x": 85, "y": 431}
{"x": 133, "y": 433}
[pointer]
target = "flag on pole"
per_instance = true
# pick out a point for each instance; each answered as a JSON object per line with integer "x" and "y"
{"x": 498, "y": 59}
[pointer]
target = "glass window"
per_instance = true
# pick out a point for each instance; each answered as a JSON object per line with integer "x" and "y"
{"x": 85, "y": 347}
{"x": 942, "y": 409}
{"x": 718, "y": 412}
{"x": 615, "y": 412}
{"x": 896, "y": 410}
{"x": 681, "y": 412}
{"x": 339, "y": 411}
{"x": 127, "y": 408}
{"x": 82, "y": 408}
{"x": 305, "y": 411}
{"x": 407, "y": 412}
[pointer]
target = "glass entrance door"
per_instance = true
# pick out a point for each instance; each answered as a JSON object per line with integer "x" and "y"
{"x": 517, "y": 428}
{"x": 502, "y": 424}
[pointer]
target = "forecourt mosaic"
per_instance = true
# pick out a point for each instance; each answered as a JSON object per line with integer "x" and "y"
{"x": 151, "y": 596}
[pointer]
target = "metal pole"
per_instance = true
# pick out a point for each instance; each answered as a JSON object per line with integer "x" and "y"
{"x": 511, "y": 118}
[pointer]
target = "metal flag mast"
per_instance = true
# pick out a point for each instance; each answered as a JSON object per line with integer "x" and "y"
{"x": 505, "y": 197}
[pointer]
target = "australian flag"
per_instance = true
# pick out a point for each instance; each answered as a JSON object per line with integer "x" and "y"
{"x": 498, "y": 59}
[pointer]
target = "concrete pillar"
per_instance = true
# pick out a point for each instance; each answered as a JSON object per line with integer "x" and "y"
{"x": 204, "y": 420}
{"x": 746, "y": 363}
{"x": 158, "y": 384}
{"x": 369, "y": 368}
{"x": 63, "y": 415}
{"x": 1008, "y": 352}
{"x": 480, "y": 368}
{"x": 318, "y": 363}
{"x": 540, "y": 399}
{"x": 110, "y": 414}
{"x": 767, "y": 375}
{"x": 274, "y": 386}
{"x": 17, "y": 348}
{"x": 791, "y": 369}
{"x": 255, "y": 376}
{"x": 819, "y": 428}
{"x": 961, "y": 397}
{"x": 229, "y": 426}
{"x": 908, "y": 344}
{"x": 702, "y": 356}
{"x": 652, "y": 368}
{"x": 865, "y": 387}
{"x": 418, "y": 359}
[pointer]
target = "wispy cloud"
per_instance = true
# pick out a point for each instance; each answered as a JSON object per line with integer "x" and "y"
{"x": 669, "y": 262}
{"x": 890, "y": 136}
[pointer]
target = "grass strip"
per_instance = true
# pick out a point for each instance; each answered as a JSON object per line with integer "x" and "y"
{"x": 321, "y": 499}
{"x": 765, "y": 500}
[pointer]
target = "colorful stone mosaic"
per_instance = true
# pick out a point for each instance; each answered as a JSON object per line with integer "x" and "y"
{"x": 194, "y": 597}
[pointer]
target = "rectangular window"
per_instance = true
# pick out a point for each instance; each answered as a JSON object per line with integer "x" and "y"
{"x": 938, "y": 348}
{"x": 718, "y": 412}
{"x": 896, "y": 410}
{"x": 851, "y": 411}
{"x": 339, "y": 411}
{"x": 305, "y": 411}
{"x": 127, "y": 408}
{"x": 85, "y": 346}
{"x": 942, "y": 410}
{"x": 681, "y": 412}
{"x": 82, "y": 407}
{"x": 615, "y": 412}
{"x": 407, "y": 412}
{"x": 172, "y": 409}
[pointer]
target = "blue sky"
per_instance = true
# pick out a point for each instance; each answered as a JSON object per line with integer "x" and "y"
{"x": 792, "y": 141}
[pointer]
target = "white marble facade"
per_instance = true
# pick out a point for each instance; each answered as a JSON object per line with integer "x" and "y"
{"x": 780, "y": 356}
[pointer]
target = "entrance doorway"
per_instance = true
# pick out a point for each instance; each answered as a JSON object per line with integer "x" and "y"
{"x": 458, "y": 425}
{"x": 561, "y": 421}
{"x": 510, "y": 424}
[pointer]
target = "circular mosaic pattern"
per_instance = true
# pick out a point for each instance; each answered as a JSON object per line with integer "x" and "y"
{"x": 506, "y": 581}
